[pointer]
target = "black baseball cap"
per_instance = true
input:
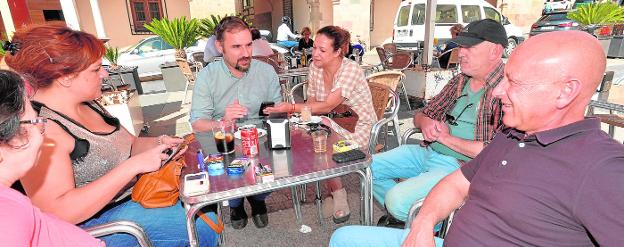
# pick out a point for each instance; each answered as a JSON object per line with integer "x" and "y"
{"x": 482, "y": 30}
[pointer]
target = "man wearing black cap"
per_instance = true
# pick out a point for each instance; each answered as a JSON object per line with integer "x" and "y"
{"x": 456, "y": 125}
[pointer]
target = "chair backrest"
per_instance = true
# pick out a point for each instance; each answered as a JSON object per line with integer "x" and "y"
{"x": 198, "y": 56}
{"x": 380, "y": 99}
{"x": 453, "y": 59}
{"x": 379, "y": 95}
{"x": 400, "y": 60}
{"x": 389, "y": 78}
{"x": 390, "y": 48}
{"x": 382, "y": 54}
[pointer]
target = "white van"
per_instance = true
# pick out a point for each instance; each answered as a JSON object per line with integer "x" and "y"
{"x": 409, "y": 28}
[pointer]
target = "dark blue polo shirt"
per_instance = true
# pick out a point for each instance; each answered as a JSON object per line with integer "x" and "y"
{"x": 561, "y": 187}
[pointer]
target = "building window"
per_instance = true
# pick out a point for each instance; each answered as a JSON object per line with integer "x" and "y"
{"x": 143, "y": 11}
{"x": 247, "y": 3}
{"x": 53, "y": 15}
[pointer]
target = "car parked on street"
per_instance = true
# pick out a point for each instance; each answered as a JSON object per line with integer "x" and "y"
{"x": 553, "y": 21}
{"x": 409, "y": 23}
{"x": 149, "y": 53}
{"x": 557, "y": 5}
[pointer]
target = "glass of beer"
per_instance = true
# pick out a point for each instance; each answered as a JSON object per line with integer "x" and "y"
{"x": 223, "y": 133}
{"x": 319, "y": 140}
{"x": 306, "y": 114}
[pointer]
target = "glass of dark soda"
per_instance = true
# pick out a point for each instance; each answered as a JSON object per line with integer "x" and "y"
{"x": 224, "y": 136}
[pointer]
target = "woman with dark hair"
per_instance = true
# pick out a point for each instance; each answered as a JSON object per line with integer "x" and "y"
{"x": 21, "y": 136}
{"x": 335, "y": 80}
{"x": 306, "y": 42}
{"x": 86, "y": 175}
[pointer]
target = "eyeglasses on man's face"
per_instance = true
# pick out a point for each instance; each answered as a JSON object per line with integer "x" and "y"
{"x": 20, "y": 140}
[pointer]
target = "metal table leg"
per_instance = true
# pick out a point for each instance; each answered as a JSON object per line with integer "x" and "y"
{"x": 296, "y": 204}
{"x": 318, "y": 202}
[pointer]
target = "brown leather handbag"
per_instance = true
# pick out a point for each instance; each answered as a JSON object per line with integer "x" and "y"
{"x": 161, "y": 188}
{"x": 344, "y": 116}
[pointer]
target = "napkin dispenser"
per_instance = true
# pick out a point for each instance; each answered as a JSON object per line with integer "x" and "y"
{"x": 278, "y": 131}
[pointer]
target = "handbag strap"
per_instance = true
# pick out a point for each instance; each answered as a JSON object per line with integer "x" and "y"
{"x": 218, "y": 228}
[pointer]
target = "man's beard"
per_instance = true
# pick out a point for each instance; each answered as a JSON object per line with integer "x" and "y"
{"x": 240, "y": 68}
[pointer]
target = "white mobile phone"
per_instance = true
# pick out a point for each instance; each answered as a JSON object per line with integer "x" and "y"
{"x": 196, "y": 184}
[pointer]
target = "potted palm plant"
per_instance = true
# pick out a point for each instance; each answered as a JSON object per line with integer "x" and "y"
{"x": 121, "y": 75}
{"x": 598, "y": 19}
{"x": 208, "y": 25}
{"x": 179, "y": 33}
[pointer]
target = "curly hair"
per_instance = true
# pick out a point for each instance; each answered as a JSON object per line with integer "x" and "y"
{"x": 11, "y": 104}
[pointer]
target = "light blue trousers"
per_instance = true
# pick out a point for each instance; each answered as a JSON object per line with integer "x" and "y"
{"x": 373, "y": 236}
{"x": 422, "y": 168}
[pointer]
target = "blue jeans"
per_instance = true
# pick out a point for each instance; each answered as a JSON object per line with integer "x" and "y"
{"x": 238, "y": 201}
{"x": 371, "y": 236}
{"x": 288, "y": 43}
{"x": 422, "y": 167}
{"x": 164, "y": 226}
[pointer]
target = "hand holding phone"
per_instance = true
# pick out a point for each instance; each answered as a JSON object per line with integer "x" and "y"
{"x": 263, "y": 106}
{"x": 173, "y": 152}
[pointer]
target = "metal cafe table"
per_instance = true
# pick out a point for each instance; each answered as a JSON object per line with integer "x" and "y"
{"x": 296, "y": 166}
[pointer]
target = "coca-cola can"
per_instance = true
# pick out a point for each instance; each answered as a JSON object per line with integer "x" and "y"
{"x": 249, "y": 139}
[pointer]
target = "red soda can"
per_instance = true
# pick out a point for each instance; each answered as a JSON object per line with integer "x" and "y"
{"x": 249, "y": 139}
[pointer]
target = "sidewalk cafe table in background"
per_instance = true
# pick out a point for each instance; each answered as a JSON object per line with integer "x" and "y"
{"x": 291, "y": 167}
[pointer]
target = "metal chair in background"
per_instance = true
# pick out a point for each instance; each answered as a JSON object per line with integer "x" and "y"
{"x": 399, "y": 62}
{"x": 273, "y": 61}
{"x": 381, "y": 102}
{"x": 392, "y": 80}
{"x": 390, "y": 48}
{"x": 188, "y": 74}
{"x": 121, "y": 227}
{"x": 198, "y": 59}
